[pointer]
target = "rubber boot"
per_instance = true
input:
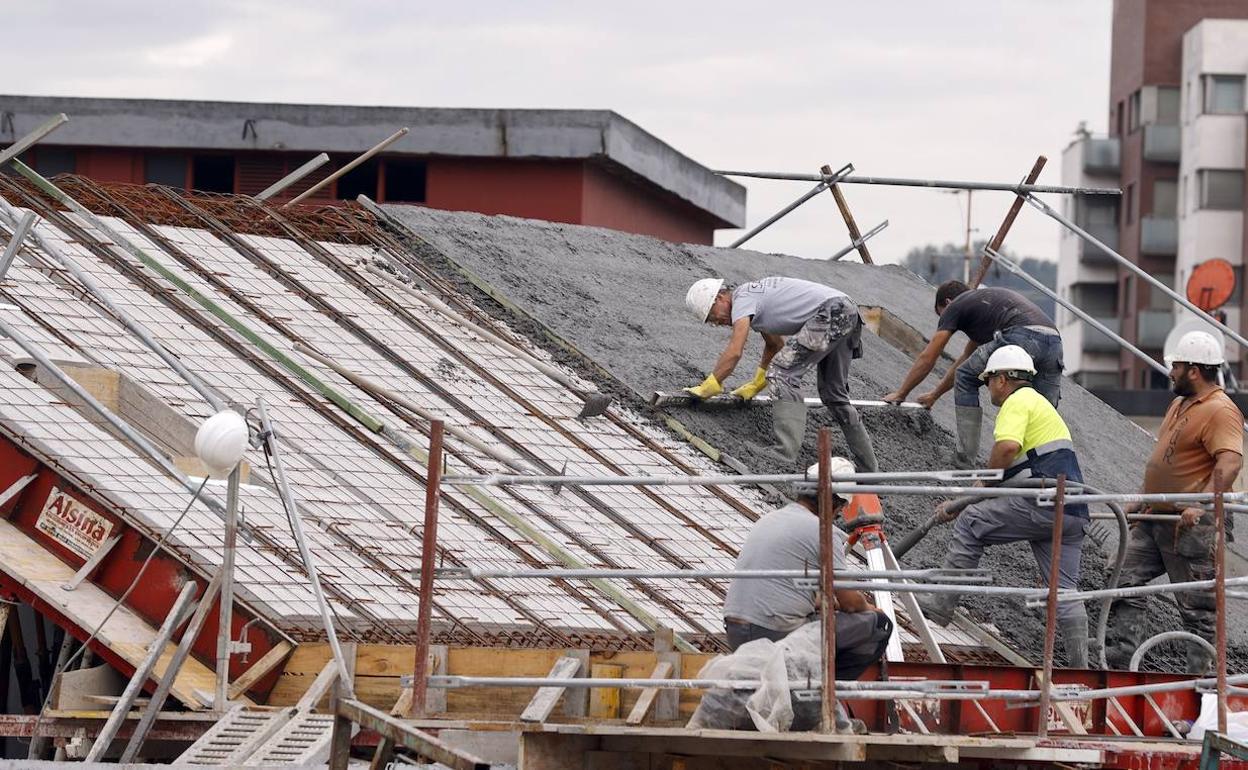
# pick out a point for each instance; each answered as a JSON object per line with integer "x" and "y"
{"x": 968, "y": 419}
{"x": 789, "y": 423}
{"x": 1198, "y": 660}
{"x": 1075, "y": 640}
{"x": 860, "y": 446}
{"x": 1128, "y": 626}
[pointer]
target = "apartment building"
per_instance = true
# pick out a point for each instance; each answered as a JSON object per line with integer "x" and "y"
{"x": 1176, "y": 148}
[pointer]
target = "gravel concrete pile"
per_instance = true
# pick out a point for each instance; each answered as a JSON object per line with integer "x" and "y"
{"x": 619, "y": 298}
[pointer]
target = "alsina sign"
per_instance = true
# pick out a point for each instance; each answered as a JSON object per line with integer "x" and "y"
{"x": 72, "y": 524}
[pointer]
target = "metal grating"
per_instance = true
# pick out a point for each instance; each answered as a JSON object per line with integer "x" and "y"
{"x": 361, "y": 498}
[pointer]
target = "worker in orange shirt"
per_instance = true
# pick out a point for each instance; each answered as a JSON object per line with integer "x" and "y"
{"x": 1202, "y": 432}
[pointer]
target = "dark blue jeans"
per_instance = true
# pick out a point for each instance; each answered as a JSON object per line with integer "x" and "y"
{"x": 1045, "y": 351}
{"x": 851, "y": 660}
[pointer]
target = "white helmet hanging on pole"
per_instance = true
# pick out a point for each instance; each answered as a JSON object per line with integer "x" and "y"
{"x": 1012, "y": 360}
{"x": 701, "y": 296}
{"x": 1197, "y": 348}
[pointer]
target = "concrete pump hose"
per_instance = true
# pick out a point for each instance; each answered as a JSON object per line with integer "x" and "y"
{"x": 1167, "y": 636}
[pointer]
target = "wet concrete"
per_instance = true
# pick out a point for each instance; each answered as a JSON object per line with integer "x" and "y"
{"x": 620, "y": 299}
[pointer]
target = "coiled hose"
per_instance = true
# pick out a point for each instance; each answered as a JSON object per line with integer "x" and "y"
{"x": 958, "y": 504}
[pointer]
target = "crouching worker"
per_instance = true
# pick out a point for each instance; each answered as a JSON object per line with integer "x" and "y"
{"x": 774, "y": 630}
{"x": 772, "y": 608}
{"x": 1031, "y": 441}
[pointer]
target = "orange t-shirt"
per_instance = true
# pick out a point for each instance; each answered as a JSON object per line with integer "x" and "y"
{"x": 1192, "y": 433}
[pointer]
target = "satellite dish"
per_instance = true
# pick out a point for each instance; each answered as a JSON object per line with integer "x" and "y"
{"x": 1211, "y": 284}
{"x": 1191, "y": 325}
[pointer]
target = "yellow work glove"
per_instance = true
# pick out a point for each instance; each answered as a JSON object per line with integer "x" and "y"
{"x": 709, "y": 387}
{"x": 753, "y": 387}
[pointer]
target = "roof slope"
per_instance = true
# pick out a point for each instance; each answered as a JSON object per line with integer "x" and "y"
{"x": 361, "y": 497}
{"x": 619, "y": 298}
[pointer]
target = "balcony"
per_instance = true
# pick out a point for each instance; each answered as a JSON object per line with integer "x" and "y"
{"x": 1101, "y": 156}
{"x": 1153, "y": 327}
{"x": 1094, "y": 341}
{"x": 1159, "y": 237}
{"x": 1094, "y": 255}
{"x": 1161, "y": 143}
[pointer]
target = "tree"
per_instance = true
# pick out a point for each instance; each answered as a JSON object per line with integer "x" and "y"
{"x": 937, "y": 264}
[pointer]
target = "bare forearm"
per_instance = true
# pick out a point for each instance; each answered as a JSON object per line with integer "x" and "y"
{"x": 853, "y": 601}
{"x": 726, "y": 364}
{"x": 771, "y": 346}
{"x": 918, "y": 372}
{"x": 1226, "y": 466}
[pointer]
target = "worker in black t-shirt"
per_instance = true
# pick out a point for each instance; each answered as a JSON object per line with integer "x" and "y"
{"x": 990, "y": 317}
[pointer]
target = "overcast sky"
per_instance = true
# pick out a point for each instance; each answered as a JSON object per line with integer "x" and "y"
{"x": 962, "y": 89}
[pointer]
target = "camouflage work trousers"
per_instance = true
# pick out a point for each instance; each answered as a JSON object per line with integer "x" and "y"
{"x": 827, "y": 342}
{"x": 1154, "y": 550}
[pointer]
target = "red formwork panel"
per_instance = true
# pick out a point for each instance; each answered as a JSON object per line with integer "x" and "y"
{"x": 162, "y": 580}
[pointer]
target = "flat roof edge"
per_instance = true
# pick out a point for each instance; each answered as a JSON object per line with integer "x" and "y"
{"x": 481, "y": 133}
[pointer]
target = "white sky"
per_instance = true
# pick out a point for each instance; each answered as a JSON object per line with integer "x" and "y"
{"x": 961, "y": 89}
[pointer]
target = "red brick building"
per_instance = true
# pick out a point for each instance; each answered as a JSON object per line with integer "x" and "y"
{"x": 590, "y": 167}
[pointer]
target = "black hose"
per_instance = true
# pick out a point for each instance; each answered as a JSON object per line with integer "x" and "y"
{"x": 960, "y": 503}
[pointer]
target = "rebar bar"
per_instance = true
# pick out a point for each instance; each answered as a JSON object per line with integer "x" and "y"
{"x": 948, "y": 184}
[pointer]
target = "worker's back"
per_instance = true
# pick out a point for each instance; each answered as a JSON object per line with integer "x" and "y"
{"x": 787, "y": 538}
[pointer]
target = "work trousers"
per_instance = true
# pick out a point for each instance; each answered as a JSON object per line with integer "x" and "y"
{"x": 1000, "y": 520}
{"x": 1152, "y": 551}
{"x": 861, "y": 638}
{"x": 827, "y": 342}
{"x": 1045, "y": 350}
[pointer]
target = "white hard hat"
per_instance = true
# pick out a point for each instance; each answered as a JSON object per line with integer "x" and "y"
{"x": 222, "y": 440}
{"x": 1197, "y": 348}
{"x": 1008, "y": 358}
{"x": 838, "y": 466}
{"x": 701, "y": 296}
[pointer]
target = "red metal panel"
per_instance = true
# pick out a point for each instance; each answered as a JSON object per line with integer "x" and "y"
{"x": 162, "y": 579}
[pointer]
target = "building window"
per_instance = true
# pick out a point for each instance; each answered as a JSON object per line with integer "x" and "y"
{"x": 1158, "y": 299}
{"x": 405, "y": 181}
{"x": 361, "y": 180}
{"x": 1133, "y": 112}
{"x": 168, "y": 169}
{"x": 1165, "y": 198}
{"x": 1168, "y": 101}
{"x": 1223, "y": 94}
{"x": 1221, "y": 189}
{"x": 50, "y": 161}
{"x": 213, "y": 173}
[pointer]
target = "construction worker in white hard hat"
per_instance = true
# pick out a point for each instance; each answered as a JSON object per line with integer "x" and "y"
{"x": 1202, "y": 432}
{"x": 1031, "y": 441}
{"x": 772, "y": 608}
{"x": 804, "y": 325}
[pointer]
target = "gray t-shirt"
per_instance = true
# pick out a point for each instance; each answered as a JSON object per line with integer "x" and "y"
{"x": 980, "y": 313}
{"x": 786, "y": 538}
{"x": 779, "y": 305}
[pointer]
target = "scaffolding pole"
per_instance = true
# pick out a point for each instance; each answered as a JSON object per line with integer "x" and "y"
{"x": 824, "y": 183}
{"x": 947, "y": 184}
{"x": 1014, "y": 268}
{"x": 309, "y": 563}
{"x": 383, "y": 144}
{"x": 1149, "y": 279}
{"x": 292, "y": 177}
{"x": 29, "y": 140}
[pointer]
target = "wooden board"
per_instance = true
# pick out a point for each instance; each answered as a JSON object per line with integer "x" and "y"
{"x": 125, "y": 634}
{"x": 379, "y": 666}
